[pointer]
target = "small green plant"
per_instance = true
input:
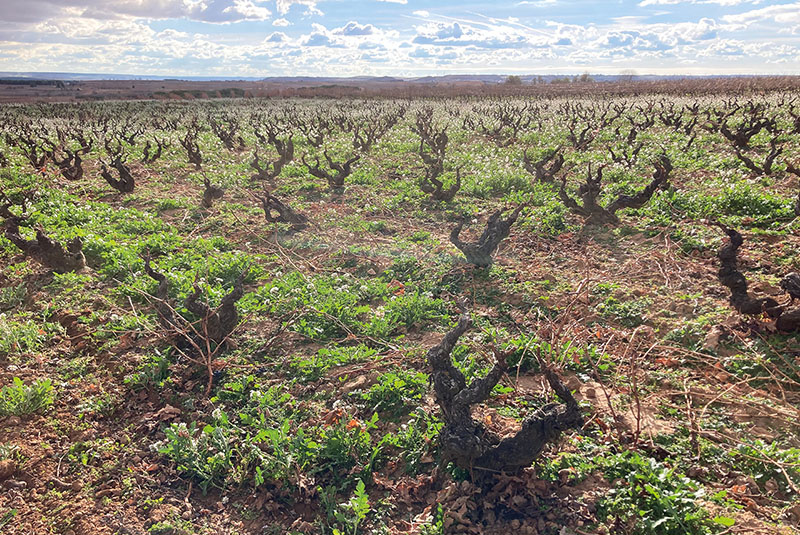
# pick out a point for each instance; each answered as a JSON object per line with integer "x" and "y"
{"x": 12, "y": 296}
{"x": 649, "y": 498}
{"x": 19, "y": 399}
{"x": 330, "y": 306}
{"x": 207, "y": 455}
{"x": 767, "y": 462}
{"x": 412, "y": 309}
{"x": 420, "y": 236}
{"x": 9, "y": 451}
{"x": 170, "y": 204}
{"x": 22, "y": 335}
{"x": 7, "y": 517}
{"x": 436, "y": 524}
{"x": 394, "y": 391}
{"x": 352, "y": 513}
{"x": 417, "y": 440}
{"x": 314, "y": 367}
{"x": 152, "y": 373}
{"x": 171, "y": 527}
{"x": 101, "y": 406}
{"x": 345, "y": 449}
{"x": 629, "y": 313}
{"x": 225, "y": 452}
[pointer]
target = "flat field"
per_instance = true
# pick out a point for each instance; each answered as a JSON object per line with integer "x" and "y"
{"x": 212, "y": 370}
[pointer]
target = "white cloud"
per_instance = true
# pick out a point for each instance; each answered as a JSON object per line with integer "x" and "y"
{"x": 353, "y": 28}
{"x": 116, "y": 36}
{"x": 248, "y": 10}
{"x": 645, "y": 3}
{"x": 782, "y": 14}
{"x": 283, "y": 6}
{"x": 537, "y": 3}
{"x": 277, "y": 37}
{"x": 213, "y": 11}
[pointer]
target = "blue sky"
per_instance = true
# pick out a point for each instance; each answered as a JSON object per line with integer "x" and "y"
{"x": 399, "y": 37}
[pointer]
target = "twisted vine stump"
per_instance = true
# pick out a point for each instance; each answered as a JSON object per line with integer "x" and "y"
{"x": 730, "y": 277}
{"x": 217, "y": 324}
{"x": 48, "y": 251}
{"x": 285, "y": 214}
{"x": 497, "y": 229}
{"x": 201, "y": 341}
{"x": 192, "y": 149}
{"x": 589, "y": 192}
{"x": 791, "y": 285}
{"x": 166, "y": 314}
{"x": 435, "y": 187}
{"x": 43, "y": 249}
{"x": 544, "y": 170}
{"x": 211, "y": 193}
{"x": 126, "y": 183}
{"x": 335, "y": 179}
{"x": 786, "y": 319}
{"x": 465, "y": 441}
{"x": 71, "y": 166}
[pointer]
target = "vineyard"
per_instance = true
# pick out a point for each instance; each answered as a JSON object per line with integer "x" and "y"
{"x": 542, "y": 315}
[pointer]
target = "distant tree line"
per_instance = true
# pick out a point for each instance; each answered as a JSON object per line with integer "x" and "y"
{"x": 516, "y": 80}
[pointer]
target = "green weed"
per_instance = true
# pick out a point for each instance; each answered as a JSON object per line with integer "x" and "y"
{"x": 395, "y": 392}
{"x": 19, "y": 399}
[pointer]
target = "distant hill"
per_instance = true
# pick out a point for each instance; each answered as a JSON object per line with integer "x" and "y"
{"x": 332, "y": 80}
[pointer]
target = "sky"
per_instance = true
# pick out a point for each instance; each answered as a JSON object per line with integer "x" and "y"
{"x": 399, "y": 37}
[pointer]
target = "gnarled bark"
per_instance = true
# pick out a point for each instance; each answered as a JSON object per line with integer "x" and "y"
{"x": 166, "y": 314}
{"x": 544, "y": 169}
{"x": 273, "y": 169}
{"x": 217, "y": 324}
{"x": 789, "y": 320}
{"x": 786, "y": 319}
{"x": 71, "y": 166}
{"x": 769, "y": 159}
{"x": 150, "y": 157}
{"x": 590, "y": 190}
{"x": 730, "y": 276}
{"x": 192, "y": 150}
{"x": 43, "y": 249}
{"x": 342, "y": 170}
{"x": 791, "y": 285}
{"x": 125, "y": 183}
{"x": 465, "y": 441}
{"x": 210, "y": 193}
{"x": 435, "y": 187}
{"x": 47, "y": 251}
{"x": 497, "y": 229}
{"x": 435, "y": 140}
{"x": 285, "y": 214}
